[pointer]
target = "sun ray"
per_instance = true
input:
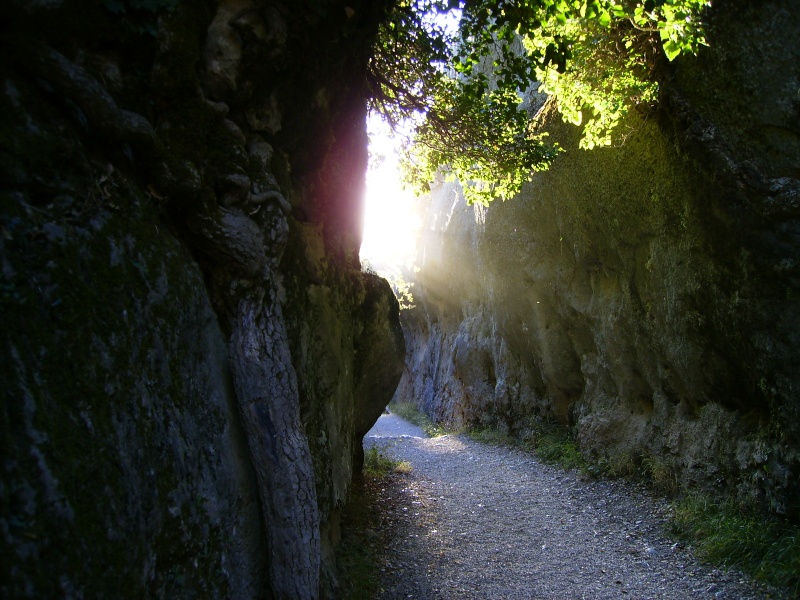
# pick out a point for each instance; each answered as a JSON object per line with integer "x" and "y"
{"x": 390, "y": 219}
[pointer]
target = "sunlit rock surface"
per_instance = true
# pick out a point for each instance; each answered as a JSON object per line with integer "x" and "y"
{"x": 644, "y": 295}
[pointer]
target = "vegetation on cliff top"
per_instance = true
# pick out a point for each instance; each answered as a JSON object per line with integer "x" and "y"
{"x": 462, "y": 90}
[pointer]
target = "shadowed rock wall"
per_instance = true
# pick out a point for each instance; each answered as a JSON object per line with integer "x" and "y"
{"x": 645, "y": 295}
{"x": 190, "y": 352}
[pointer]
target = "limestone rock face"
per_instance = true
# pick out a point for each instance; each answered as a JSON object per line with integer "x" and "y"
{"x": 122, "y": 446}
{"x": 377, "y": 369}
{"x": 646, "y": 295}
{"x": 190, "y": 351}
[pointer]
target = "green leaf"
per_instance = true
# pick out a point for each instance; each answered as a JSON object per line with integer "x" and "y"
{"x": 619, "y": 11}
{"x": 472, "y": 125}
{"x": 672, "y": 50}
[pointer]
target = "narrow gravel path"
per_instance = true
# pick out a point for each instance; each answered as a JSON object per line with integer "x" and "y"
{"x": 477, "y": 521}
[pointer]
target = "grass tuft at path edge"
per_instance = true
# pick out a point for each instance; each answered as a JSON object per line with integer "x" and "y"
{"x": 377, "y": 464}
{"x": 723, "y": 533}
{"x": 358, "y": 554}
{"x": 551, "y": 445}
{"x": 412, "y": 414}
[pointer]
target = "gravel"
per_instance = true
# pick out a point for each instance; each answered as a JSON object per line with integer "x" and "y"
{"x": 478, "y": 521}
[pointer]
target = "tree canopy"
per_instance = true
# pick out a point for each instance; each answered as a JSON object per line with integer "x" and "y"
{"x": 454, "y": 75}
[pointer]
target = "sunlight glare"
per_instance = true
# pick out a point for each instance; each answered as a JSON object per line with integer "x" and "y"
{"x": 390, "y": 220}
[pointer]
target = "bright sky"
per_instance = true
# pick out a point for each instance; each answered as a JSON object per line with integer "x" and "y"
{"x": 390, "y": 220}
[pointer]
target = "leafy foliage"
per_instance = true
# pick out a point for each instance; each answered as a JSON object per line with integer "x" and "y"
{"x": 613, "y": 51}
{"x": 460, "y": 95}
{"x": 408, "y": 66}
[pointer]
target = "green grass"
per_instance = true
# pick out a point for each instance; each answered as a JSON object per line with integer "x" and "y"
{"x": 358, "y": 554}
{"x": 412, "y": 414}
{"x": 557, "y": 447}
{"x": 550, "y": 444}
{"x": 377, "y": 464}
{"x": 660, "y": 475}
{"x": 493, "y": 437}
{"x": 723, "y": 533}
{"x": 657, "y": 473}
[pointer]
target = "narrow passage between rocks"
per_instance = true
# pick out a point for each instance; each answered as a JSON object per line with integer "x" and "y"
{"x": 478, "y": 521}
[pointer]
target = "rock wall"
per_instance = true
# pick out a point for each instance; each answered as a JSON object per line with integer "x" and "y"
{"x": 643, "y": 295}
{"x": 123, "y": 457}
{"x": 190, "y": 352}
